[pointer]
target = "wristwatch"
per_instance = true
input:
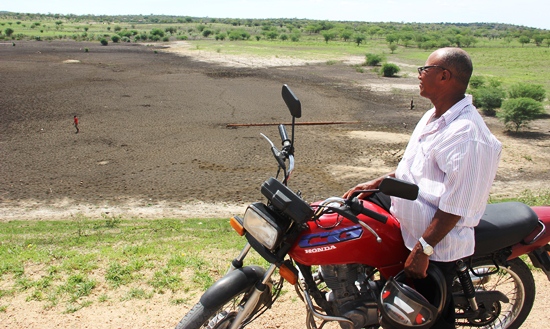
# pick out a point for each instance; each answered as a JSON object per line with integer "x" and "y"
{"x": 426, "y": 248}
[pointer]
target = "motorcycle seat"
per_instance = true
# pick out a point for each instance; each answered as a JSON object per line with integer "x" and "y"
{"x": 503, "y": 225}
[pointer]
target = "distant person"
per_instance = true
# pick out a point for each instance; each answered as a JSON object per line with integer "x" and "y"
{"x": 76, "y": 124}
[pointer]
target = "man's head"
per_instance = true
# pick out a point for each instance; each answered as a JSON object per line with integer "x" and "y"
{"x": 446, "y": 70}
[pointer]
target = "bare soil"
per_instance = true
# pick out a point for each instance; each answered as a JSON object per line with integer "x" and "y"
{"x": 154, "y": 142}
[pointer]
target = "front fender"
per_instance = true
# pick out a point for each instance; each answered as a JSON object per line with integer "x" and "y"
{"x": 231, "y": 284}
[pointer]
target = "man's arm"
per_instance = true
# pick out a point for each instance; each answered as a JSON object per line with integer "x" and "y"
{"x": 416, "y": 265}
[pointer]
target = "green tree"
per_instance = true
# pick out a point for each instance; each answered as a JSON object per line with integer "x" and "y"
{"x": 359, "y": 39}
{"x": 104, "y": 42}
{"x": 392, "y": 47}
{"x": 8, "y": 31}
{"x": 391, "y": 38}
{"x": 517, "y": 112}
{"x": 115, "y": 38}
{"x": 521, "y": 89}
{"x": 283, "y": 37}
{"x": 206, "y": 33}
{"x": 328, "y": 35}
{"x": 538, "y": 39}
{"x": 523, "y": 40}
{"x": 346, "y": 34}
{"x": 389, "y": 69}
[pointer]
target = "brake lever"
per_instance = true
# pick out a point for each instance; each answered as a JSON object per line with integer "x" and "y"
{"x": 279, "y": 156}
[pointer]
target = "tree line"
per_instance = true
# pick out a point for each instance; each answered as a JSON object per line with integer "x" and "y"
{"x": 135, "y": 28}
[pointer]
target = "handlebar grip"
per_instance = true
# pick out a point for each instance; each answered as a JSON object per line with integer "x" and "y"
{"x": 357, "y": 207}
{"x": 284, "y": 136}
{"x": 374, "y": 215}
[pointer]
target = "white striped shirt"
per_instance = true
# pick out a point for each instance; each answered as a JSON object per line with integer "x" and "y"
{"x": 453, "y": 160}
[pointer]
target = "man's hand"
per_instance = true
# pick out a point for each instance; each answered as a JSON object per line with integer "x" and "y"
{"x": 372, "y": 185}
{"x": 416, "y": 265}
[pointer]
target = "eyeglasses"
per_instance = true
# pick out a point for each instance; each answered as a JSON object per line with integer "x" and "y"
{"x": 423, "y": 68}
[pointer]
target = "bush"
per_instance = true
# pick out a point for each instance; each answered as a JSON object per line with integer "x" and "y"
{"x": 517, "y": 112}
{"x": 389, "y": 69}
{"x": 104, "y": 41}
{"x": 488, "y": 99}
{"x": 528, "y": 90}
{"x": 373, "y": 59}
{"x": 115, "y": 38}
{"x": 157, "y": 32}
{"x": 477, "y": 81}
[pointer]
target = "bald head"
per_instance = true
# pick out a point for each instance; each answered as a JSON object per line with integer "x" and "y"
{"x": 458, "y": 61}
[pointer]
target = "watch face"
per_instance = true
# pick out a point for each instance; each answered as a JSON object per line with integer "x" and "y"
{"x": 428, "y": 250}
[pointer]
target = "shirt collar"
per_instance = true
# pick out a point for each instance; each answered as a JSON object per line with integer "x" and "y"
{"x": 456, "y": 109}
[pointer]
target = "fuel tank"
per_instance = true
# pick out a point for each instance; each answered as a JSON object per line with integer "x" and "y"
{"x": 334, "y": 239}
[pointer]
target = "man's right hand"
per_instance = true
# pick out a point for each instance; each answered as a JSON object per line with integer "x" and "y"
{"x": 371, "y": 185}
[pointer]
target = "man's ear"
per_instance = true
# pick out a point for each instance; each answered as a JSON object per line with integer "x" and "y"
{"x": 445, "y": 75}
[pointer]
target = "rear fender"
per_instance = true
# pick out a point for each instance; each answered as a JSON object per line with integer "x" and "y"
{"x": 540, "y": 236}
{"x": 232, "y": 284}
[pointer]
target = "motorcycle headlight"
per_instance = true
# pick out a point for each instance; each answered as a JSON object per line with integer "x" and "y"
{"x": 263, "y": 225}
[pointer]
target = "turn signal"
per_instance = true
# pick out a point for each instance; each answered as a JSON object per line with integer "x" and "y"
{"x": 288, "y": 274}
{"x": 236, "y": 225}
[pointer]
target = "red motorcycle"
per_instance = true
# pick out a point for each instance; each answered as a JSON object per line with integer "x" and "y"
{"x": 345, "y": 259}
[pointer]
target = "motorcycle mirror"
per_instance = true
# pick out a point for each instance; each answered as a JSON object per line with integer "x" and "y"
{"x": 292, "y": 102}
{"x": 399, "y": 188}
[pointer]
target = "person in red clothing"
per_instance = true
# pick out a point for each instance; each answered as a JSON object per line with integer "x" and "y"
{"x": 76, "y": 124}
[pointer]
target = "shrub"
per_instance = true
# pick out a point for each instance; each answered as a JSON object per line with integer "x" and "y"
{"x": 488, "y": 99}
{"x": 157, "y": 32}
{"x": 528, "y": 90}
{"x": 115, "y": 38}
{"x": 8, "y": 32}
{"x": 477, "y": 81}
{"x": 517, "y": 112}
{"x": 389, "y": 69}
{"x": 104, "y": 41}
{"x": 206, "y": 33}
{"x": 373, "y": 59}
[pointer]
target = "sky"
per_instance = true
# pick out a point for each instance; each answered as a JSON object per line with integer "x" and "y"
{"x": 530, "y": 13}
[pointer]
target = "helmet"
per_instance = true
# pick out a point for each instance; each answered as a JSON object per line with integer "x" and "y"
{"x": 402, "y": 307}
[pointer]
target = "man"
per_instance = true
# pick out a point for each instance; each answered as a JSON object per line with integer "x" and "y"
{"x": 75, "y": 121}
{"x": 453, "y": 158}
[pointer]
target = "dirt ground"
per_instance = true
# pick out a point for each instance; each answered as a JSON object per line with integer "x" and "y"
{"x": 154, "y": 142}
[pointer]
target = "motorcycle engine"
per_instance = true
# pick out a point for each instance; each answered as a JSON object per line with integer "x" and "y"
{"x": 352, "y": 294}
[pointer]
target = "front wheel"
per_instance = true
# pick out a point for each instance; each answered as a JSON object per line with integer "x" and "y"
{"x": 212, "y": 318}
{"x": 515, "y": 282}
{"x": 221, "y": 303}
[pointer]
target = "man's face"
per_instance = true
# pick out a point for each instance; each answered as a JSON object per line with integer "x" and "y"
{"x": 430, "y": 75}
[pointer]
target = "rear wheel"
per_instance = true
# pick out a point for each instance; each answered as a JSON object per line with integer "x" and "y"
{"x": 515, "y": 282}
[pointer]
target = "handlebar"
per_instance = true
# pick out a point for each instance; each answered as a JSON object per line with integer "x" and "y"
{"x": 284, "y": 136}
{"x": 350, "y": 208}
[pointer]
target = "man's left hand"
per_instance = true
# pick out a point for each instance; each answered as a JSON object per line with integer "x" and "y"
{"x": 416, "y": 265}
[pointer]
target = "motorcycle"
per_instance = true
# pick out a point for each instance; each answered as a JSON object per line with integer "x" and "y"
{"x": 339, "y": 253}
